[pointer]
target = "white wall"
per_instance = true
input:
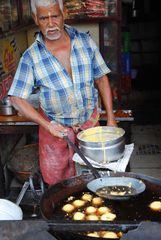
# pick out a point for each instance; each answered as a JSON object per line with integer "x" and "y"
{"x": 93, "y": 28}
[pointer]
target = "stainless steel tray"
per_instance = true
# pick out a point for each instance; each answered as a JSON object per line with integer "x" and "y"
{"x": 130, "y": 118}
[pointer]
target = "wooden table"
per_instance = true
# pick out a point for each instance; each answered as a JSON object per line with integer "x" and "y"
{"x": 16, "y": 125}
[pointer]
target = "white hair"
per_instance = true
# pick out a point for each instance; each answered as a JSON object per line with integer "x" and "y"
{"x": 44, "y": 3}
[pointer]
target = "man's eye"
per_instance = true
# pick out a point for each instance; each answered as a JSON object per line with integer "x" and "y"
{"x": 43, "y": 18}
{"x": 54, "y": 16}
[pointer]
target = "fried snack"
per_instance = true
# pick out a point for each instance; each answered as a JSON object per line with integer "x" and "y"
{"x": 109, "y": 234}
{"x": 79, "y": 216}
{"x": 155, "y": 206}
{"x": 68, "y": 208}
{"x": 97, "y": 201}
{"x": 92, "y": 217}
{"x": 108, "y": 216}
{"x": 87, "y": 197}
{"x": 93, "y": 234}
{"x": 122, "y": 114}
{"x": 90, "y": 210}
{"x": 102, "y": 210}
{"x": 78, "y": 203}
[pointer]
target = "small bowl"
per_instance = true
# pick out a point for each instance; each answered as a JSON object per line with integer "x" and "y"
{"x": 7, "y": 110}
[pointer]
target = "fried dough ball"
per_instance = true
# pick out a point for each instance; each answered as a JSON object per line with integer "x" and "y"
{"x": 90, "y": 210}
{"x": 119, "y": 234}
{"x": 109, "y": 234}
{"x": 93, "y": 234}
{"x": 97, "y": 201}
{"x": 78, "y": 216}
{"x": 78, "y": 203}
{"x": 108, "y": 216}
{"x": 87, "y": 197}
{"x": 68, "y": 208}
{"x": 155, "y": 206}
{"x": 92, "y": 217}
{"x": 102, "y": 210}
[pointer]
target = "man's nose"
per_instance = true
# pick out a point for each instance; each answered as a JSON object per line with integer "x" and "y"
{"x": 51, "y": 21}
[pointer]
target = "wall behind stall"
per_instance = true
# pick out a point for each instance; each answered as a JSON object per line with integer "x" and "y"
{"x": 31, "y": 35}
{"x": 11, "y": 48}
{"x": 145, "y": 42}
{"x": 92, "y": 28}
{"x": 21, "y": 39}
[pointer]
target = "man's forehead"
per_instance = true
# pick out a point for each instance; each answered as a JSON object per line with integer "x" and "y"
{"x": 51, "y": 9}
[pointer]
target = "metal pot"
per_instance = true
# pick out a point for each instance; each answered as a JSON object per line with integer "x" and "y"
{"x": 6, "y": 107}
{"x": 7, "y": 110}
{"x": 102, "y": 144}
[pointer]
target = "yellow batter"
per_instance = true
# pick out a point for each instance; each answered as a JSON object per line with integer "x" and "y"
{"x": 97, "y": 134}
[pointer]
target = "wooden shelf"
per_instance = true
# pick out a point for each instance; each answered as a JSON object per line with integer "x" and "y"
{"x": 16, "y": 29}
{"x": 92, "y": 20}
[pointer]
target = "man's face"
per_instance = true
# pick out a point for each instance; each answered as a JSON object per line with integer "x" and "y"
{"x": 50, "y": 21}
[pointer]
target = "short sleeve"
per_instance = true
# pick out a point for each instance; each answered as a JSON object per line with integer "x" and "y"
{"x": 23, "y": 82}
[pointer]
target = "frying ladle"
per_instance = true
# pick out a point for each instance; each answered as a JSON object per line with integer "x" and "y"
{"x": 77, "y": 150}
{"x": 103, "y": 187}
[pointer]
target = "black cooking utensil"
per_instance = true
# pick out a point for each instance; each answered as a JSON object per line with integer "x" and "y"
{"x": 77, "y": 150}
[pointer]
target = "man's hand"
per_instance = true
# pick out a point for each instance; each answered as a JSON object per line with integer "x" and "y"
{"x": 57, "y": 129}
{"x": 111, "y": 121}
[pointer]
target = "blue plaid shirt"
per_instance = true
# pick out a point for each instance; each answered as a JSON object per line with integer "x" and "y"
{"x": 64, "y": 100}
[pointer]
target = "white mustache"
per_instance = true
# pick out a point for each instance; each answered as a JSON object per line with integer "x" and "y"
{"x": 52, "y": 29}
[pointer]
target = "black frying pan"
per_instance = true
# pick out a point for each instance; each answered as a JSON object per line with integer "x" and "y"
{"x": 114, "y": 188}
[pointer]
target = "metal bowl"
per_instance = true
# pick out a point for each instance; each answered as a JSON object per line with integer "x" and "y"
{"x": 102, "y": 144}
{"x": 6, "y": 107}
{"x": 7, "y": 110}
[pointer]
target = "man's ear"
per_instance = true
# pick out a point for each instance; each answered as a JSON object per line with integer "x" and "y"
{"x": 34, "y": 16}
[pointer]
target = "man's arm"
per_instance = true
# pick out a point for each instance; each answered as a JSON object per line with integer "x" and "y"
{"x": 28, "y": 111}
{"x": 104, "y": 89}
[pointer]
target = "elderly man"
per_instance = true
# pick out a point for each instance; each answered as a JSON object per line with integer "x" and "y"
{"x": 67, "y": 67}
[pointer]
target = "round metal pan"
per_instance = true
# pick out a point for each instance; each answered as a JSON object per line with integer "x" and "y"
{"x": 117, "y": 188}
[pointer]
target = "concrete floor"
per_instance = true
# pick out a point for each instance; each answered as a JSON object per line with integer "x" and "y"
{"x": 146, "y": 157}
{"x": 145, "y": 131}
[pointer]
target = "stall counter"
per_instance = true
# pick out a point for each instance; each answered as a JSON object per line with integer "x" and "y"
{"x": 16, "y": 124}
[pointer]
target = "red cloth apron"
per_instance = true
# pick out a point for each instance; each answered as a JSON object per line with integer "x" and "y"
{"x": 55, "y": 156}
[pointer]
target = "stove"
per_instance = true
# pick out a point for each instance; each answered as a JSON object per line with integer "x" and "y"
{"x": 34, "y": 227}
{"x": 30, "y": 203}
